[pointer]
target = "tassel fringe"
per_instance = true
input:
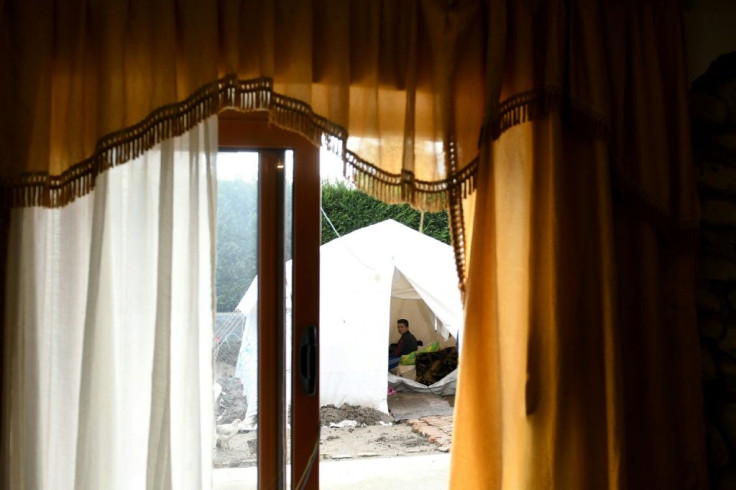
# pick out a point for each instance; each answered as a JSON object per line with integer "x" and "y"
{"x": 42, "y": 189}
{"x": 52, "y": 191}
{"x": 528, "y": 106}
{"x": 405, "y": 188}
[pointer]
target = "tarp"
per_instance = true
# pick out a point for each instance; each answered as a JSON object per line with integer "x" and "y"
{"x": 443, "y": 387}
{"x": 369, "y": 279}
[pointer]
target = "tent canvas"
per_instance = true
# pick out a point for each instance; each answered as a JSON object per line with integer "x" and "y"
{"x": 369, "y": 279}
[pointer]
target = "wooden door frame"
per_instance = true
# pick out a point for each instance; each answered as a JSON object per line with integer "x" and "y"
{"x": 253, "y": 130}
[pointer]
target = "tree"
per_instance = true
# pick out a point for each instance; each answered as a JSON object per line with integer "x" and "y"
{"x": 237, "y": 225}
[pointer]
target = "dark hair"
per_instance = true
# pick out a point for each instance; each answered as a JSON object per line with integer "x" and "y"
{"x": 403, "y": 321}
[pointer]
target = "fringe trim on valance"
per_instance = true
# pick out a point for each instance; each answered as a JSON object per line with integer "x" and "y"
{"x": 527, "y": 106}
{"x": 588, "y": 122}
{"x": 455, "y": 209}
{"x": 465, "y": 186}
{"x": 42, "y": 189}
{"x": 51, "y": 191}
{"x": 405, "y": 188}
{"x": 297, "y": 116}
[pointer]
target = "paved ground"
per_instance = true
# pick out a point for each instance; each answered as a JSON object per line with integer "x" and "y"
{"x": 428, "y": 472}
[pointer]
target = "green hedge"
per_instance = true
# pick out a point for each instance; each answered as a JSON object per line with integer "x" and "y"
{"x": 350, "y": 210}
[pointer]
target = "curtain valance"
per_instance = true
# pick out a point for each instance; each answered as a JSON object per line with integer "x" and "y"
{"x": 403, "y": 80}
{"x": 404, "y": 91}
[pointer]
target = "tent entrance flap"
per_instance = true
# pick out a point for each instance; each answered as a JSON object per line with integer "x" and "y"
{"x": 407, "y": 303}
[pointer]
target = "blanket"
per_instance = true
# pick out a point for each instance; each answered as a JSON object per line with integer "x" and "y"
{"x": 433, "y": 366}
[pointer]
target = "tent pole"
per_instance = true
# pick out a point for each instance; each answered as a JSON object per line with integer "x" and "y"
{"x": 421, "y": 221}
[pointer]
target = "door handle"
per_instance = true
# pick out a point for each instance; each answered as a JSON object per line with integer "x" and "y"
{"x": 308, "y": 351}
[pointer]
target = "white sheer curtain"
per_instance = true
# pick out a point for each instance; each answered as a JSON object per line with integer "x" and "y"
{"x": 110, "y": 312}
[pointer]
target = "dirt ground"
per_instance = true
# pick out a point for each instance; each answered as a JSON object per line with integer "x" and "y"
{"x": 346, "y": 432}
{"x": 350, "y": 432}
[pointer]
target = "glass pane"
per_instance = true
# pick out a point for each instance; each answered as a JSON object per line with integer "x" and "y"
{"x": 288, "y": 289}
{"x": 235, "y": 343}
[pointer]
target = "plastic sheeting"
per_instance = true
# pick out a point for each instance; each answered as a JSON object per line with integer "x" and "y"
{"x": 443, "y": 387}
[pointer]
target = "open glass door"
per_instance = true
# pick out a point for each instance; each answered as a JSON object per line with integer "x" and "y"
{"x": 281, "y": 308}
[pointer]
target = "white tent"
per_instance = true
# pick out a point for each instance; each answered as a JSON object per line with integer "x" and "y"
{"x": 369, "y": 279}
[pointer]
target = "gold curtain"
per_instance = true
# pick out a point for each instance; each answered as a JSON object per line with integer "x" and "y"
{"x": 580, "y": 336}
{"x": 392, "y": 86}
{"x": 580, "y": 351}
